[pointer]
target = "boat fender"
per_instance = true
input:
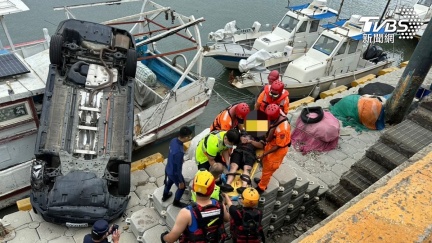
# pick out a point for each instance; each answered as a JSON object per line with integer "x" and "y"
{"x": 308, "y": 110}
{"x": 316, "y": 91}
{"x": 333, "y": 85}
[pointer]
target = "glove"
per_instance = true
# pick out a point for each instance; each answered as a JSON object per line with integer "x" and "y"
{"x": 162, "y": 236}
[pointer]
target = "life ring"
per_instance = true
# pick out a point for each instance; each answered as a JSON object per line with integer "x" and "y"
{"x": 308, "y": 110}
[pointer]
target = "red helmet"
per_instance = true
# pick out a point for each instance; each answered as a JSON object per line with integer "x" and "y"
{"x": 272, "y": 111}
{"x": 276, "y": 88}
{"x": 273, "y": 76}
{"x": 242, "y": 110}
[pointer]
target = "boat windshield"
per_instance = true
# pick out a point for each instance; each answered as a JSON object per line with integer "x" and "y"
{"x": 288, "y": 23}
{"x": 426, "y": 3}
{"x": 325, "y": 44}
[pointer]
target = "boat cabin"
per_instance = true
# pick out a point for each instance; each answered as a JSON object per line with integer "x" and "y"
{"x": 337, "y": 50}
{"x": 423, "y": 8}
{"x": 299, "y": 28}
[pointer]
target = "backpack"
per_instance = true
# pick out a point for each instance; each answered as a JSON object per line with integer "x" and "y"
{"x": 210, "y": 222}
{"x": 250, "y": 229}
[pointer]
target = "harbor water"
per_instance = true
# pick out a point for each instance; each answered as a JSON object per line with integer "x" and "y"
{"x": 27, "y": 26}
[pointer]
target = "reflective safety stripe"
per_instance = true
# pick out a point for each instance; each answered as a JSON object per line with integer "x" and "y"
{"x": 219, "y": 137}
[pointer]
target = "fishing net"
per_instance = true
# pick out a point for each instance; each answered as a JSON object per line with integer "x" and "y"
{"x": 346, "y": 110}
{"x": 321, "y": 136}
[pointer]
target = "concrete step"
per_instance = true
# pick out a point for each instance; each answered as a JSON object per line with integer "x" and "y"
{"x": 339, "y": 195}
{"x": 427, "y": 103}
{"x": 370, "y": 169}
{"x": 325, "y": 208}
{"x": 385, "y": 155}
{"x": 422, "y": 115}
{"x": 407, "y": 137}
{"x": 354, "y": 182}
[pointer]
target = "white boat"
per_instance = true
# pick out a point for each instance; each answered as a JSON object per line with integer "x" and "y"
{"x": 168, "y": 95}
{"x": 291, "y": 38}
{"x": 422, "y": 8}
{"x": 336, "y": 58}
{"x": 21, "y": 93}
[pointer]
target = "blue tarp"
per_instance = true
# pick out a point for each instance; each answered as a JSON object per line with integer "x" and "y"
{"x": 299, "y": 7}
{"x": 323, "y": 16}
{"x": 335, "y": 24}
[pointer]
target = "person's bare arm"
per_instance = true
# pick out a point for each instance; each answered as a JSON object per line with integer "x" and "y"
{"x": 256, "y": 144}
{"x": 210, "y": 159}
{"x": 274, "y": 148}
{"x": 226, "y": 214}
{"x": 227, "y": 200}
{"x": 226, "y": 156}
{"x": 182, "y": 221}
{"x": 257, "y": 105}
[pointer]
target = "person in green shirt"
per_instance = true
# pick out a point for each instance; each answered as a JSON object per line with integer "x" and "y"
{"x": 215, "y": 146}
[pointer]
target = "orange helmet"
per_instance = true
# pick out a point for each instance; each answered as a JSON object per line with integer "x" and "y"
{"x": 276, "y": 89}
{"x": 242, "y": 110}
{"x": 203, "y": 183}
{"x": 250, "y": 197}
{"x": 273, "y": 76}
{"x": 272, "y": 111}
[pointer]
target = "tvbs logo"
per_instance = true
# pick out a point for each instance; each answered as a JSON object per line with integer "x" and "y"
{"x": 405, "y": 25}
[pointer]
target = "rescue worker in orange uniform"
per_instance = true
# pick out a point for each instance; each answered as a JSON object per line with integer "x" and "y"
{"x": 232, "y": 117}
{"x": 273, "y": 94}
{"x": 278, "y": 139}
{"x": 273, "y": 76}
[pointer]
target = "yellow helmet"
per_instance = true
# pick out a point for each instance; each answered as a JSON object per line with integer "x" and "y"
{"x": 203, "y": 183}
{"x": 250, "y": 197}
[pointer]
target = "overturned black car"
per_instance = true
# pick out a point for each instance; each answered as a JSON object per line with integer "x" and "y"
{"x": 83, "y": 151}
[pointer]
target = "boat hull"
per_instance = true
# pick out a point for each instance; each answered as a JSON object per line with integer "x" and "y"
{"x": 229, "y": 61}
{"x": 300, "y": 91}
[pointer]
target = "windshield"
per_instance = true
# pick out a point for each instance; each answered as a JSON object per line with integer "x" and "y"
{"x": 426, "y": 3}
{"x": 288, "y": 23}
{"x": 325, "y": 44}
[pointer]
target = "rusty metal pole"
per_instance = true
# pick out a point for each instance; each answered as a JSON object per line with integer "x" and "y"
{"x": 412, "y": 78}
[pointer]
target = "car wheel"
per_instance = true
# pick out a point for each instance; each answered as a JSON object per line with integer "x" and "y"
{"x": 55, "y": 51}
{"x": 131, "y": 63}
{"x": 124, "y": 179}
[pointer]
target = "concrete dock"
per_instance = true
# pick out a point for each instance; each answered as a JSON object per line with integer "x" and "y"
{"x": 146, "y": 217}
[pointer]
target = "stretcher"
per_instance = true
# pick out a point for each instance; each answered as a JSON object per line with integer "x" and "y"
{"x": 237, "y": 182}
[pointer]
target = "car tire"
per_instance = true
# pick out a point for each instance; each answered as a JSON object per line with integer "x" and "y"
{"x": 124, "y": 179}
{"x": 307, "y": 120}
{"x": 131, "y": 63}
{"x": 55, "y": 50}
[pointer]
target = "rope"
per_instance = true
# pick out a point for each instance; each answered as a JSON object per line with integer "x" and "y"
{"x": 221, "y": 97}
{"x": 163, "y": 113}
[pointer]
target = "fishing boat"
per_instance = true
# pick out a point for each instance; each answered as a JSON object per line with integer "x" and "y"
{"x": 422, "y": 9}
{"x": 21, "y": 93}
{"x": 170, "y": 91}
{"x": 337, "y": 57}
{"x": 291, "y": 38}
